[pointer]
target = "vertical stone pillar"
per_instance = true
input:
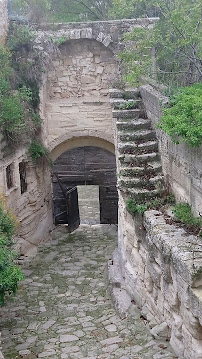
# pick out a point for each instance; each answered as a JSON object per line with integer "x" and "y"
{"x": 3, "y": 20}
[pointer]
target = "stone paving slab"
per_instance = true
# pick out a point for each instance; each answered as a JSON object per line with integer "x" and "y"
{"x": 62, "y": 310}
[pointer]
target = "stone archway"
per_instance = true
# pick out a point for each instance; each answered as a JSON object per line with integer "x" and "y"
{"x": 86, "y": 165}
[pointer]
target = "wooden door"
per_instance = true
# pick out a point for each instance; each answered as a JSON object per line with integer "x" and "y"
{"x": 108, "y": 196}
{"x": 73, "y": 218}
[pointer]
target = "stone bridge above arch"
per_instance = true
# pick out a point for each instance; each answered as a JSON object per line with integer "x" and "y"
{"x": 109, "y": 33}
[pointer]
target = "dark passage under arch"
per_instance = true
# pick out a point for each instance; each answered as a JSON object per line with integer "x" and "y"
{"x": 84, "y": 166}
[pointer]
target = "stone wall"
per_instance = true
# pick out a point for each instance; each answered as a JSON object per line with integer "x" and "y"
{"x": 161, "y": 266}
{"x": 77, "y": 101}
{"x": 182, "y": 165}
{"x": 33, "y": 208}
{"x": 3, "y": 20}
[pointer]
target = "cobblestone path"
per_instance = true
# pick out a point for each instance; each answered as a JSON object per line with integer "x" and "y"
{"x": 61, "y": 309}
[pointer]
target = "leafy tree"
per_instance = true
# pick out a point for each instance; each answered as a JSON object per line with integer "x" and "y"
{"x": 130, "y": 9}
{"x": 63, "y": 10}
{"x": 80, "y": 10}
{"x": 176, "y": 39}
{"x": 34, "y": 10}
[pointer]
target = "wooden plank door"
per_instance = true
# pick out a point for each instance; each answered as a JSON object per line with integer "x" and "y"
{"x": 73, "y": 217}
{"x": 108, "y": 196}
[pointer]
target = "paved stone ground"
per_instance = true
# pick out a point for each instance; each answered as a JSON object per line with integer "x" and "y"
{"x": 62, "y": 311}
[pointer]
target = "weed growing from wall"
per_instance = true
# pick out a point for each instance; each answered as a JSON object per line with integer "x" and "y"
{"x": 133, "y": 207}
{"x": 37, "y": 150}
{"x": 183, "y": 213}
{"x": 129, "y": 105}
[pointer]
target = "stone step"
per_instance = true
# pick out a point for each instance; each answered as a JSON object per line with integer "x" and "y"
{"x": 121, "y": 104}
{"x": 139, "y": 159}
{"x": 133, "y": 147}
{"x": 144, "y": 182}
{"x": 137, "y": 135}
{"x": 150, "y": 168}
{"x": 141, "y": 195}
{"x": 127, "y": 114}
{"x": 134, "y": 125}
{"x": 125, "y": 94}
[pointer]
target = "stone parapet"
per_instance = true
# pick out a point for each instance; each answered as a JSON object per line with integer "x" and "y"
{"x": 162, "y": 267}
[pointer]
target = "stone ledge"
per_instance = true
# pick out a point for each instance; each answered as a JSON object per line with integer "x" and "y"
{"x": 183, "y": 249}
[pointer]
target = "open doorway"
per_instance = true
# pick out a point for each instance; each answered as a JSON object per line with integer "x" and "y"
{"x": 90, "y": 167}
{"x": 89, "y": 204}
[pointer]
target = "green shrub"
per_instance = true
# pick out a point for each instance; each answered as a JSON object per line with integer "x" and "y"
{"x": 37, "y": 150}
{"x": 19, "y": 101}
{"x": 10, "y": 274}
{"x": 183, "y": 213}
{"x": 11, "y": 113}
{"x": 183, "y": 117}
{"x": 20, "y": 36}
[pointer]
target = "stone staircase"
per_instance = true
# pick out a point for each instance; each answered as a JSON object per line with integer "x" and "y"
{"x": 139, "y": 165}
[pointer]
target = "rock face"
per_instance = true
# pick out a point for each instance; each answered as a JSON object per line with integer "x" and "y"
{"x": 3, "y": 20}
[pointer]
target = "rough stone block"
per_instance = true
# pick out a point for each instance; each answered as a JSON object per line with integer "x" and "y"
{"x": 160, "y": 331}
{"x": 192, "y": 323}
{"x": 177, "y": 345}
{"x": 155, "y": 271}
{"x": 122, "y": 301}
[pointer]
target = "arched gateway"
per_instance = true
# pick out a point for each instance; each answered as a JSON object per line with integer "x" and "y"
{"x": 79, "y": 128}
{"x": 87, "y": 165}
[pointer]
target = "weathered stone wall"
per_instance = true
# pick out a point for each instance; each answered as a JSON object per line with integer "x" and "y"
{"x": 182, "y": 165}
{"x": 3, "y": 20}
{"x": 77, "y": 101}
{"x": 33, "y": 208}
{"x": 161, "y": 265}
